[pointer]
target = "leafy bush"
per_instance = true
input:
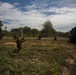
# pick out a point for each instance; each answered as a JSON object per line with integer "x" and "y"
{"x": 73, "y": 35}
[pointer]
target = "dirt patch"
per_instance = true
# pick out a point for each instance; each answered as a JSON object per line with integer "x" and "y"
{"x": 65, "y": 71}
{"x": 9, "y": 43}
{"x": 70, "y": 61}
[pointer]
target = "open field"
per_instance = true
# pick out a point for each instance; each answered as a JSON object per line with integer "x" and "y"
{"x": 38, "y": 57}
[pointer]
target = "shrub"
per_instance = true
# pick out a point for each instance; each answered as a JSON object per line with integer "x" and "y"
{"x": 73, "y": 35}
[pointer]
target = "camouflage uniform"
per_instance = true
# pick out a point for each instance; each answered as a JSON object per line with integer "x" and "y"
{"x": 55, "y": 38}
{"x": 19, "y": 42}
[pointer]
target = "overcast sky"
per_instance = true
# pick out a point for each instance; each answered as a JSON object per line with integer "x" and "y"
{"x": 33, "y": 13}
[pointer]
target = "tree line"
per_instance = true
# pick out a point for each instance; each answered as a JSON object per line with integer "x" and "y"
{"x": 46, "y": 31}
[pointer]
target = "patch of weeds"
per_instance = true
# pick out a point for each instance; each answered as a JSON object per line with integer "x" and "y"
{"x": 59, "y": 55}
{"x": 55, "y": 69}
{"x": 34, "y": 69}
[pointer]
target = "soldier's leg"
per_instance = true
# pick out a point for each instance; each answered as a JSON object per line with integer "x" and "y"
{"x": 19, "y": 46}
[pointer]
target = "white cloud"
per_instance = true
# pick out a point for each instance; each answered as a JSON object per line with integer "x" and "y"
{"x": 16, "y": 3}
{"x": 35, "y": 18}
{"x": 18, "y": 18}
{"x": 56, "y": 10}
{"x": 30, "y": 7}
{"x": 63, "y": 20}
{"x": 5, "y": 7}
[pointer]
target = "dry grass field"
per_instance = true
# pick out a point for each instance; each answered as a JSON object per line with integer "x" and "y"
{"x": 38, "y": 57}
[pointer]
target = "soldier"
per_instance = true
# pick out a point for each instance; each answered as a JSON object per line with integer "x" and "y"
{"x": 19, "y": 42}
{"x": 14, "y": 37}
{"x": 39, "y": 37}
{"x": 55, "y": 38}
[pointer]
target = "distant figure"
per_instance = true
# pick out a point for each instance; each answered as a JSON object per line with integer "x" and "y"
{"x": 39, "y": 37}
{"x": 14, "y": 37}
{"x": 55, "y": 38}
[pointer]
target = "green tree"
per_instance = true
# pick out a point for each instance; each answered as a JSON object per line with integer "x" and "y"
{"x": 27, "y": 31}
{"x": 15, "y": 31}
{"x": 1, "y": 23}
{"x": 62, "y": 34}
{"x": 1, "y": 35}
{"x": 48, "y": 29}
{"x": 34, "y": 32}
{"x": 1, "y": 26}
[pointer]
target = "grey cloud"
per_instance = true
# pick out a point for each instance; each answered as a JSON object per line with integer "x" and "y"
{"x": 35, "y": 18}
